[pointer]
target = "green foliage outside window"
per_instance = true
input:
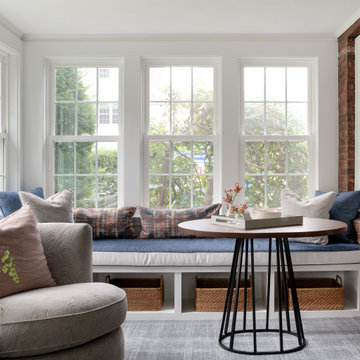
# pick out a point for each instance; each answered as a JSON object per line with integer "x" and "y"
{"x": 76, "y": 115}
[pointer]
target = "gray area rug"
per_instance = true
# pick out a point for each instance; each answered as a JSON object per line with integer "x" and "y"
{"x": 330, "y": 339}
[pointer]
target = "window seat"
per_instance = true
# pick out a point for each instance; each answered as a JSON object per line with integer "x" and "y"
{"x": 205, "y": 252}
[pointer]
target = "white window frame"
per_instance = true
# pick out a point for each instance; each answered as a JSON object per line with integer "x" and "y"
{"x": 312, "y": 137}
{"x": 4, "y": 123}
{"x": 51, "y": 138}
{"x": 215, "y": 138}
{"x": 357, "y": 113}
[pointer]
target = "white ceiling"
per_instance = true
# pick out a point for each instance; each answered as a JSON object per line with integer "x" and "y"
{"x": 112, "y": 17}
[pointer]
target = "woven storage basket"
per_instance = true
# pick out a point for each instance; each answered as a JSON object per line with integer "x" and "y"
{"x": 142, "y": 294}
{"x": 319, "y": 294}
{"x": 210, "y": 295}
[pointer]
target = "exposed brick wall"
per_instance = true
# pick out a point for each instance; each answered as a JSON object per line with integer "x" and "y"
{"x": 346, "y": 75}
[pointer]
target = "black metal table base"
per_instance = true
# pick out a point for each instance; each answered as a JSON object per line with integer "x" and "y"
{"x": 229, "y": 326}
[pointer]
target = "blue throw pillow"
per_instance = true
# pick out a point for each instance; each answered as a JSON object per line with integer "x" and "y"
{"x": 345, "y": 208}
{"x": 10, "y": 201}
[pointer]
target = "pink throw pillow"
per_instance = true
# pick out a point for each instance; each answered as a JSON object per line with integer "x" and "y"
{"x": 23, "y": 264}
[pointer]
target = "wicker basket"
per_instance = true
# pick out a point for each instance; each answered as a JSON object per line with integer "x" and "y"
{"x": 142, "y": 294}
{"x": 210, "y": 295}
{"x": 319, "y": 294}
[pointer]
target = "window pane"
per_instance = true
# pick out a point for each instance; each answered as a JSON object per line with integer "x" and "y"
{"x": 299, "y": 184}
{"x": 181, "y": 83}
{"x": 63, "y": 182}
{"x": 86, "y": 119}
{"x": 108, "y": 123}
{"x": 254, "y": 118}
{"x": 159, "y": 192}
{"x": 255, "y": 157}
{"x": 159, "y": 157}
{"x": 64, "y": 158}
{"x": 65, "y": 119}
{"x": 297, "y": 119}
{"x": 275, "y": 119}
{"x": 181, "y": 158}
{"x": 254, "y": 84}
{"x": 181, "y": 192}
{"x": 2, "y": 156}
{"x": 181, "y": 121}
{"x": 255, "y": 190}
{"x": 159, "y": 83}
{"x": 275, "y": 184}
{"x": 297, "y": 84}
{"x": 85, "y": 158}
{"x": 276, "y": 157}
{"x": 86, "y": 84}
{"x": 107, "y": 192}
{"x": 298, "y": 156}
{"x": 107, "y": 158}
{"x": 159, "y": 118}
{"x": 203, "y": 83}
{"x": 109, "y": 86}
{"x": 203, "y": 190}
{"x": 85, "y": 191}
{"x": 203, "y": 157}
{"x": 203, "y": 118}
{"x": 65, "y": 83}
{"x": 275, "y": 84}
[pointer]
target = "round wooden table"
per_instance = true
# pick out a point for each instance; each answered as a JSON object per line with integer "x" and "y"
{"x": 244, "y": 239}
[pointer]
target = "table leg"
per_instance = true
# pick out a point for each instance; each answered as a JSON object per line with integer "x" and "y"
{"x": 284, "y": 286}
{"x": 279, "y": 288}
{"x": 268, "y": 287}
{"x": 297, "y": 315}
{"x": 233, "y": 326}
{"x": 281, "y": 278}
{"x": 229, "y": 294}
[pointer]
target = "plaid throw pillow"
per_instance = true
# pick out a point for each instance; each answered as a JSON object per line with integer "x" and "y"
{"x": 108, "y": 223}
{"x": 163, "y": 223}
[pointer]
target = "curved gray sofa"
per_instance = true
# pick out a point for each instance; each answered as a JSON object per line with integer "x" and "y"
{"x": 77, "y": 319}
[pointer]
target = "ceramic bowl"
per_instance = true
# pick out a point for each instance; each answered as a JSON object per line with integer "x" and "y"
{"x": 264, "y": 213}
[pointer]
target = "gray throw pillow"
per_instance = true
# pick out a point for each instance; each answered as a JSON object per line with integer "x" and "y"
{"x": 318, "y": 207}
{"x": 56, "y": 208}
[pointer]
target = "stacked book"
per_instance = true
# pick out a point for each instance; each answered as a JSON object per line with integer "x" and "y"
{"x": 248, "y": 223}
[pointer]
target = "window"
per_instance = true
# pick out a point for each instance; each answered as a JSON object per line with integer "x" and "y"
{"x": 104, "y": 73}
{"x": 115, "y": 114}
{"x": 181, "y": 135}
{"x": 83, "y": 156}
{"x": 3, "y": 119}
{"x": 105, "y": 114}
{"x": 277, "y": 131}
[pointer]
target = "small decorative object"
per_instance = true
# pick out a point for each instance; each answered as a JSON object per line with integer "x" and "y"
{"x": 265, "y": 213}
{"x": 235, "y": 211}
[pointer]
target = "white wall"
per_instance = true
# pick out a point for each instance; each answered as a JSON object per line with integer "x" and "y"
{"x": 227, "y": 49}
{"x": 12, "y": 45}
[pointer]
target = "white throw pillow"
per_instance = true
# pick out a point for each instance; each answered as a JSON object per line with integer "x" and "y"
{"x": 56, "y": 208}
{"x": 317, "y": 207}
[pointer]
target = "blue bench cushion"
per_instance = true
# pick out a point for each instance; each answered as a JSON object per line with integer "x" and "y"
{"x": 202, "y": 245}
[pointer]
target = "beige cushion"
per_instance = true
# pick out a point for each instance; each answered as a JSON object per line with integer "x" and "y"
{"x": 23, "y": 264}
{"x": 45, "y": 320}
{"x": 318, "y": 207}
{"x": 56, "y": 208}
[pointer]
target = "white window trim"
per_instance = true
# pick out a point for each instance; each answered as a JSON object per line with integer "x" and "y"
{"x": 357, "y": 113}
{"x": 50, "y": 64}
{"x": 313, "y": 119}
{"x": 11, "y": 117}
{"x": 148, "y": 62}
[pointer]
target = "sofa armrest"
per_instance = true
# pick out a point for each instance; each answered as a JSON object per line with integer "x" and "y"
{"x": 68, "y": 249}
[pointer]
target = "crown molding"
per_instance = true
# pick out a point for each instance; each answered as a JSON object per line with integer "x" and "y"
{"x": 351, "y": 20}
{"x": 326, "y": 37}
{"x": 12, "y": 28}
